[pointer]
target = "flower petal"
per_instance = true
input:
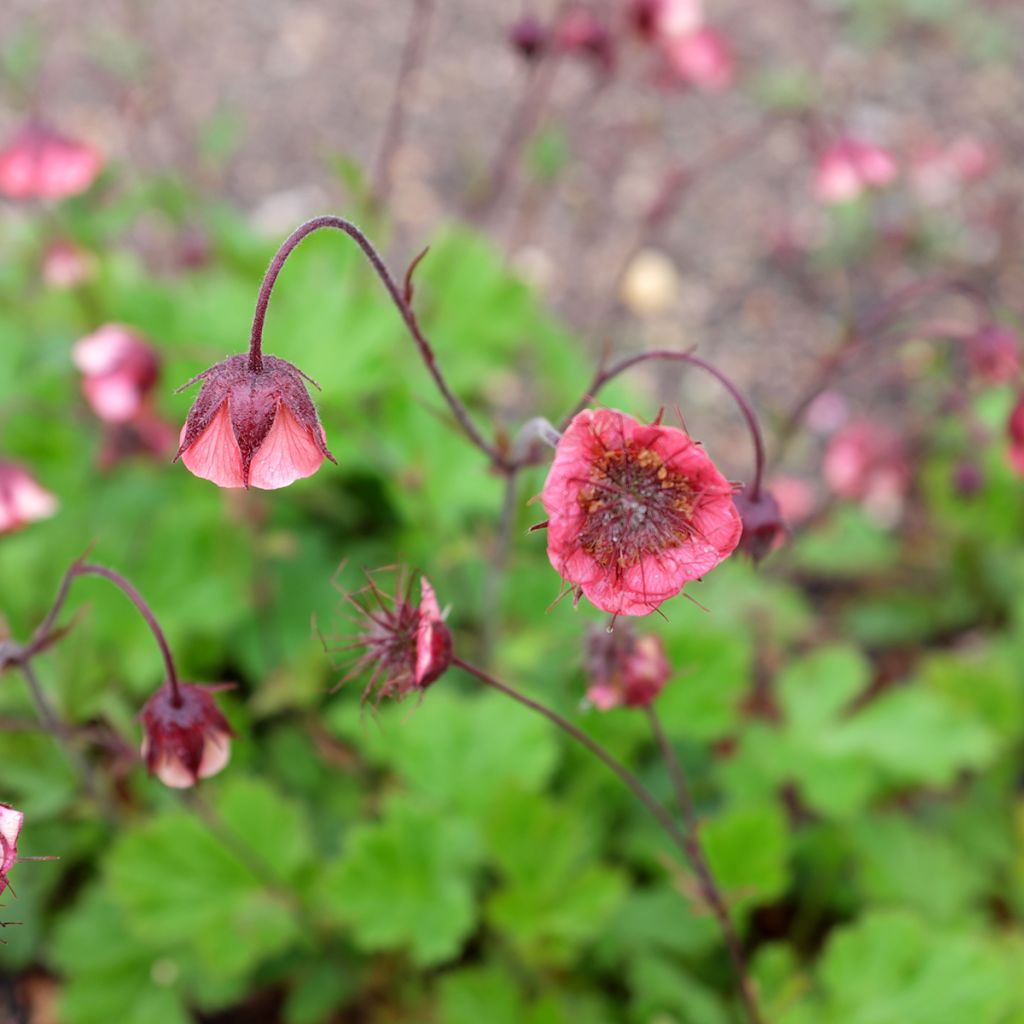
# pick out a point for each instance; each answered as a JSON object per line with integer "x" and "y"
{"x": 214, "y": 454}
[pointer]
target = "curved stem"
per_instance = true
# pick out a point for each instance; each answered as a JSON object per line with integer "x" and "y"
{"x": 695, "y": 853}
{"x": 687, "y": 844}
{"x": 746, "y": 409}
{"x": 405, "y": 311}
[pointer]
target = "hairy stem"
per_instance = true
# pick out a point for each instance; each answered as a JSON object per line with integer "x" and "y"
{"x": 746, "y": 409}
{"x": 396, "y": 295}
{"x": 686, "y": 844}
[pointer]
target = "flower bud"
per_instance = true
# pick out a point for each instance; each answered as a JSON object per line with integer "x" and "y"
{"x": 529, "y": 37}
{"x": 624, "y": 670}
{"x": 185, "y": 738}
{"x": 253, "y": 428}
{"x": 118, "y": 370}
{"x": 763, "y": 528}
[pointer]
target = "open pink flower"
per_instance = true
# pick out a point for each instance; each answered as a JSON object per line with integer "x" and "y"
{"x": 849, "y": 167}
{"x": 403, "y": 646}
{"x": 187, "y": 740}
{"x": 10, "y": 828}
{"x": 1015, "y": 430}
{"x": 623, "y": 669}
{"x": 993, "y": 353}
{"x": 118, "y": 370}
{"x": 253, "y": 428}
{"x": 635, "y": 512}
{"x": 39, "y": 163}
{"x": 22, "y": 500}
{"x": 702, "y": 58}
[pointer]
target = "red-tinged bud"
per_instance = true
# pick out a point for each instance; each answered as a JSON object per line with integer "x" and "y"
{"x": 993, "y": 353}
{"x": 403, "y": 646}
{"x": 10, "y": 828}
{"x": 849, "y": 167}
{"x": 119, "y": 369}
{"x": 529, "y": 37}
{"x": 623, "y": 669}
{"x": 1015, "y": 430}
{"x": 763, "y": 527}
{"x": 39, "y": 163}
{"x": 186, "y": 738}
{"x": 253, "y": 428}
{"x": 22, "y": 500}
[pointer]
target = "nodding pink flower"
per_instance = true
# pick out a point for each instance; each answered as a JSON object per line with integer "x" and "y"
{"x": 635, "y": 512}
{"x": 186, "y": 737}
{"x": 763, "y": 527}
{"x": 65, "y": 265}
{"x": 39, "y": 163}
{"x": 10, "y": 828}
{"x": 624, "y": 670}
{"x": 22, "y": 500}
{"x": 404, "y": 647}
{"x": 868, "y": 463}
{"x": 849, "y": 167}
{"x": 118, "y": 370}
{"x": 702, "y": 59}
{"x": 581, "y": 31}
{"x": 993, "y": 354}
{"x": 1015, "y": 430}
{"x": 253, "y": 428}
{"x": 529, "y": 37}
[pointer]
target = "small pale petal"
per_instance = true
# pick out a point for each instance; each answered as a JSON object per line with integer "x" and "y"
{"x": 289, "y": 453}
{"x": 10, "y": 828}
{"x": 216, "y": 754}
{"x": 214, "y": 455}
{"x": 114, "y": 397}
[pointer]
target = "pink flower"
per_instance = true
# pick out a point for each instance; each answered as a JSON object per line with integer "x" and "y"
{"x": 404, "y": 647}
{"x": 65, "y": 265}
{"x": 39, "y": 163}
{"x": 253, "y": 429}
{"x": 868, "y": 463}
{"x": 849, "y": 167}
{"x": 659, "y": 19}
{"x": 10, "y": 828}
{"x": 624, "y": 670}
{"x": 581, "y": 31}
{"x": 939, "y": 172}
{"x": 118, "y": 370}
{"x": 187, "y": 740}
{"x": 763, "y": 526}
{"x": 1015, "y": 430}
{"x": 795, "y": 498}
{"x": 702, "y": 59}
{"x": 635, "y": 512}
{"x": 993, "y": 354}
{"x": 22, "y": 500}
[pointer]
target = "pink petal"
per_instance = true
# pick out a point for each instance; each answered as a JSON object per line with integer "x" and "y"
{"x": 289, "y": 453}
{"x": 114, "y": 397}
{"x": 214, "y": 455}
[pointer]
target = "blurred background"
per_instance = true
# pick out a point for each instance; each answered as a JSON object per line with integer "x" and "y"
{"x": 822, "y": 198}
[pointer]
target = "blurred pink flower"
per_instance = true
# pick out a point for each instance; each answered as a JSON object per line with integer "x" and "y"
{"x": 623, "y": 669}
{"x": 65, "y": 265}
{"x": 147, "y": 435}
{"x": 10, "y": 828}
{"x": 702, "y": 58}
{"x": 252, "y": 429}
{"x": 185, "y": 740}
{"x": 635, "y": 512}
{"x": 580, "y": 30}
{"x": 39, "y": 163}
{"x": 118, "y": 370}
{"x": 660, "y": 19}
{"x": 939, "y": 172}
{"x": 795, "y": 497}
{"x": 849, "y": 167}
{"x": 827, "y": 412}
{"x": 868, "y": 463}
{"x": 993, "y": 353}
{"x": 22, "y": 500}
{"x": 1015, "y": 431}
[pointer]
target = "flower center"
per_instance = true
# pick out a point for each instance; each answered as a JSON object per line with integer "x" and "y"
{"x": 635, "y": 505}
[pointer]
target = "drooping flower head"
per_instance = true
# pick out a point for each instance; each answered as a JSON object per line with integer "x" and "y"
{"x": 185, "y": 736}
{"x": 763, "y": 527}
{"x": 1015, "y": 430}
{"x": 635, "y": 511}
{"x": 403, "y": 646}
{"x": 119, "y": 369}
{"x": 849, "y": 167}
{"x": 39, "y": 163}
{"x": 993, "y": 353}
{"x": 10, "y": 828}
{"x": 253, "y": 428}
{"x": 624, "y": 669}
{"x": 22, "y": 500}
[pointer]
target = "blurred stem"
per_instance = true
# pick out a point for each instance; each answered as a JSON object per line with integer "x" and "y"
{"x": 695, "y": 854}
{"x": 746, "y": 409}
{"x": 412, "y": 56}
{"x": 687, "y": 844}
{"x": 395, "y": 293}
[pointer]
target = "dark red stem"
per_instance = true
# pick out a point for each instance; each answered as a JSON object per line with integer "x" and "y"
{"x": 393, "y": 290}
{"x": 753, "y": 425}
